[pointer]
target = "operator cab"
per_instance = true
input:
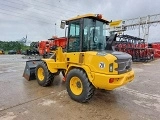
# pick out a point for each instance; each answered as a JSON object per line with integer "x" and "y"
{"x": 87, "y": 33}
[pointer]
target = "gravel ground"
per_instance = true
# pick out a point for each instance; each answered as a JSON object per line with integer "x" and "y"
{"x": 26, "y": 100}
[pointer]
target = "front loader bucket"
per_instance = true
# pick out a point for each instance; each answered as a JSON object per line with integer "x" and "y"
{"x": 29, "y": 71}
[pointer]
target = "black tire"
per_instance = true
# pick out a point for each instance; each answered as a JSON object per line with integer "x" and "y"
{"x": 48, "y": 76}
{"x": 87, "y": 87}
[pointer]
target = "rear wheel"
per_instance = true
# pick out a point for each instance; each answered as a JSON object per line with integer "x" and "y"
{"x": 78, "y": 86}
{"x": 43, "y": 75}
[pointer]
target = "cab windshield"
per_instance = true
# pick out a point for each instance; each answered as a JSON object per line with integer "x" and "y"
{"x": 86, "y": 34}
{"x": 94, "y": 35}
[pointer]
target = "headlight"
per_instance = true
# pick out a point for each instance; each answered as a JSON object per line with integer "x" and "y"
{"x": 111, "y": 67}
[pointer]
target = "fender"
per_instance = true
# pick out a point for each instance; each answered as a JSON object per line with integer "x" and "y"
{"x": 49, "y": 63}
{"x": 84, "y": 67}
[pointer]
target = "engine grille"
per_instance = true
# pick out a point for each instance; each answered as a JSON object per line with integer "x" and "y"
{"x": 124, "y": 65}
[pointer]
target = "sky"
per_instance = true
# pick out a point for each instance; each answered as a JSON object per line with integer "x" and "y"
{"x": 40, "y": 19}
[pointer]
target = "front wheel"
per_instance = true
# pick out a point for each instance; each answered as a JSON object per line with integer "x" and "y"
{"x": 43, "y": 75}
{"x": 78, "y": 86}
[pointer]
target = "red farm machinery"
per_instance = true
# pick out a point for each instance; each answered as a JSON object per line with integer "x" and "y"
{"x": 44, "y": 47}
{"x": 156, "y": 47}
{"x": 135, "y": 46}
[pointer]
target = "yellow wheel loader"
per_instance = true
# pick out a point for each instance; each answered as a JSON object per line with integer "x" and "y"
{"x": 1, "y": 52}
{"x": 88, "y": 63}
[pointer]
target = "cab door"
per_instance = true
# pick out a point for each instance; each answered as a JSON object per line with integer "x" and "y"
{"x": 74, "y": 36}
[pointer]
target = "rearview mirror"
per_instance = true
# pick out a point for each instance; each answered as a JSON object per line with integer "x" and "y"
{"x": 63, "y": 23}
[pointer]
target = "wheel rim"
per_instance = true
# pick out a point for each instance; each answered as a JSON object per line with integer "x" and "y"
{"x": 76, "y": 85}
{"x": 40, "y": 74}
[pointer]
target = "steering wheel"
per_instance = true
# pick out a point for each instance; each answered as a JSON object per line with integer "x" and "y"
{"x": 95, "y": 40}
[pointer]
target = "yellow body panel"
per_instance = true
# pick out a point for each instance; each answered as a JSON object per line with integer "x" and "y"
{"x": 84, "y": 67}
{"x": 101, "y": 81}
{"x": 90, "y": 62}
{"x": 54, "y": 66}
{"x": 93, "y": 61}
{"x": 73, "y": 57}
{"x": 60, "y": 62}
{"x": 50, "y": 64}
{"x": 97, "y": 76}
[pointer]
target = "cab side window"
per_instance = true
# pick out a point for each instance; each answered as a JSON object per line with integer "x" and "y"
{"x": 74, "y": 37}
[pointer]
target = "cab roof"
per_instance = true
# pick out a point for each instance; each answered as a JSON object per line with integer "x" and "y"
{"x": 94, "y": 16}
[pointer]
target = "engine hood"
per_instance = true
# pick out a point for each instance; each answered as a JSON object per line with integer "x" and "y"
{"x": 117, "y": 54}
